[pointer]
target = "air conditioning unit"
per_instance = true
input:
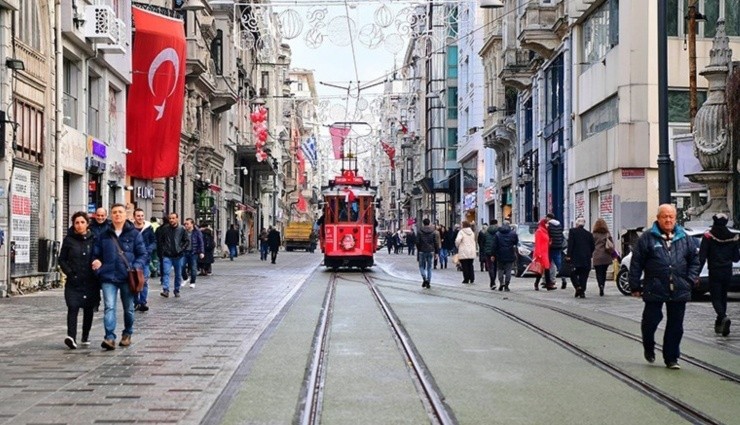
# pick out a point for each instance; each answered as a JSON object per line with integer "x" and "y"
{"x": 120, "y": 35}
{"x": 100, "y": 24}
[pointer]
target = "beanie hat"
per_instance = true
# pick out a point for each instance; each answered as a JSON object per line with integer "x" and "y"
{"x": 720, "y": 219}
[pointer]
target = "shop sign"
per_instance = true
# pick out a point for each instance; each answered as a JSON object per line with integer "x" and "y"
{"x": 21, "y": 215}
{"x": 633, "y": 173}
{"x": 144, "y": 192}
{"x": 99, "y": 149}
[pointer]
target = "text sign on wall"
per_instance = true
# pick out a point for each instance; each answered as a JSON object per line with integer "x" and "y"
{"x": 606, "y": 208}
{"x": 580, "y": 205}
{"x": 21, "y": 215}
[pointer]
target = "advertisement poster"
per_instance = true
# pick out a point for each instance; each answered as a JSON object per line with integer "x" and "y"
{"x": 21, "y": 215}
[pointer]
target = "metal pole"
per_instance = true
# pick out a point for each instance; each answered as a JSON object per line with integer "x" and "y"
{"x": 664, "y": 157}
{"x": 692, "y": 62}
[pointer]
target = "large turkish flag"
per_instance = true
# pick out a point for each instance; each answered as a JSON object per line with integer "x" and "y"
{"x": 156, "y": 96}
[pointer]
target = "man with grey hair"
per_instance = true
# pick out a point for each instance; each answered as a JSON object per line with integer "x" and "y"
{"x": 580, "y": 250}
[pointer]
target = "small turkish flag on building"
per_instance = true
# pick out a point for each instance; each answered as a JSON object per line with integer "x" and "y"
{"x": 302, "y": 205}
{"x": 156, "y": 96}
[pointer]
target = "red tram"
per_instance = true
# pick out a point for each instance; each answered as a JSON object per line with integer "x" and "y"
{"x": 348, "y": 225}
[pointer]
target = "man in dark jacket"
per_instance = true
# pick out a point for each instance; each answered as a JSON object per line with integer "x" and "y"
{"x": 100, "y": 222}
{"x": 428, "y": 242}
{"x": 119, "y": 248}
{"x": 273, "y": 241}
{"x": 486, "y": 252}
{"x": 192, "y": 255}
{"x": 557, "y": 243}
{"x": 232, "y": 241}
{"x": 503, "y": 251}
{"x": 481, "y": 239}
{"x": 668, "y": 257}
{"x": 172, "y": 242}
{"x": 720, "y": 248}
{"x": 581, "y": 248}
{"x": 411, "y": 242}
{"x": 150, "y": 242}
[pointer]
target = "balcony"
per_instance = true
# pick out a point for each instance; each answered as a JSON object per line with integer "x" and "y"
{"x": 223, "y": 97}
{"x": 502, "y": 136}
{"x": 197, "y": 61}
{"x": 517, "y": 70}
{"x": 542, "y": 28}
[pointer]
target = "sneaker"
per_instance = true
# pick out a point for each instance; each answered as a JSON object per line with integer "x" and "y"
{"x": 85, "y": 343}
{"x": 424, "y": 283}
{"x": 185, "y": 281}
{"x": 125, "y": 340}
{"x": 143, "y": 308}
{"x": 725, "y": 326}
{"x": 108, "y": 344}
{"x": 506, "y": 288}
{"x": 501, "y": 287}
{"x": 673, "y": 365}
{"x": 165, "y": 294}
{"x": 650, "y": 356}
{"x": 177, "y": 295}
{"x": 192, "y": 285}
{"x": 136, "y": 307}
{"x": 70, "y": 342}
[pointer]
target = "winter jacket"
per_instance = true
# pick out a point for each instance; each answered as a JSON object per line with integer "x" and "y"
{"x": 466, "y": 244}
{"x": 486, "y": 248}
{"x": 411, "y": 239}
{"x": 113, "y": 268}
{"x": 428, "y": 240}
{"x": 172, "y": 241}
{"x": 82, "y": 288}
{"x": 150, "y": 241}
{"x": 719, "y": 249}
{"x": 601, "y": 256}
{"x": 196, "y": 241}
{"x": 448, "y": 240}
{"x": 542, "y": 245}
{"x": 98, "y": 228}
{"x": 555, "y": 231}
{"x": 505, "y": 243}
{"x": 480, "y": 239}
{"x": 670, "y": 270}
{"x": 232, "y": 237}
{"x": 580, "y": 247}
{"x": 209, "y": 246}
{"x": 273, "y": 240}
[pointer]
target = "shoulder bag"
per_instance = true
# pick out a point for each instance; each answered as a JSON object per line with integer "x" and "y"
{"x": 609, "y": 244}
{"x": 135, "y": 276}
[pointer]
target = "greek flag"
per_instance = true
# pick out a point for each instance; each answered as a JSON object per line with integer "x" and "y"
{"x": 309, "y": 151}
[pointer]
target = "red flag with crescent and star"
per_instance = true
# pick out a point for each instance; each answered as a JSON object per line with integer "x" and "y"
{"x": 391, "y": 152}
{"x": 156, "y": 97}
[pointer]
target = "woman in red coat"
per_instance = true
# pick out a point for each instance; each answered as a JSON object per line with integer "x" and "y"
{"x": 541, "y": 254}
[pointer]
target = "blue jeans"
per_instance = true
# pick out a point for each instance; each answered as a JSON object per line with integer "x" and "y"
{"x": 190, "y": 264}
{"x": 144, "y": 294}
{"x": 652, "y": 316}
{"x": 556, "y": 260}
{"x": 110, "y": 291}
{"x": 425, "y": 265}
{"x": 443, "y": 257}
{"x": 264, "y": 248}
{"x": 169, "y": 263}
{"x": 233, "y": 252}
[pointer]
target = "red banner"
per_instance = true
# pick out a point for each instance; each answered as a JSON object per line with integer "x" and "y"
{"x": 337, "y": 140}
{"x": 391, "y": 152}
{"x": 302, "y": 206}
{"x": 156, "y": 96}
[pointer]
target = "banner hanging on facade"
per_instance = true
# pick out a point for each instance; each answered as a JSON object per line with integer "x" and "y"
{"x": 156, "y": 96}
{"x": 338, "y": 134}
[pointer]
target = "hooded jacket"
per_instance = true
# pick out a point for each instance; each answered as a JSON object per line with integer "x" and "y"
{"x": 555, "y": 231}
{"x": 719, "y": 249}
{"x": 505, "y": 243}
{"x": 113, "y": 268}
{"x": 542, "y": 244}
{"x": 428, "y": 240}
{"x": 150, "y": 241}
{"x": 82, "y": 288}
{"x": 670, "y": 267}
{"x": 486, "y": 248}
{"x": 466, "y": 243}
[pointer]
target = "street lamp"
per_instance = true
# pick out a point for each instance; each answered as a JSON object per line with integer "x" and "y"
{"x": 664, "y": 157}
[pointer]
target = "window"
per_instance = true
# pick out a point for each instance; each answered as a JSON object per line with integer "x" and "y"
{"x": 93, "y": 106}
{"x": 452, "y": 144}
{"x": 678, "y": 104}
{"x": 70, "y": 91}
{"x": 601, "y": 31}
{"x": 452, "y": 103}
{"x": 28, "y": 24}
{"x": 601, "y": 117}
{"x": 729, "y": 10}
{"x": 265, "y": 83}
{"x": 217, "y": 52}
{"x": 452, "y": 62}
{"x": 554, "y": 88}
{"x": 30, "y": 136}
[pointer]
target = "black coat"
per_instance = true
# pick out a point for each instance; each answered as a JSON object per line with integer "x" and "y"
{"x": 232, "y": 237}
{"x": 719, "y": 249}
{"x": 209, "y": 246}
{"x": 580, "y": 247}
{"x": 82, "y": 288}
{"x": 172, "y": 241}
{"x": 273, "y": 240}
{"x": 555, "y": 231}
{"x": 504, "y": 244}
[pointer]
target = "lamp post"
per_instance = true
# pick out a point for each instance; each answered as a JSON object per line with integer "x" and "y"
{"x": 664, "y": 157}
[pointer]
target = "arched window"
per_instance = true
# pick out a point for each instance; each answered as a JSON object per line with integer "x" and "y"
{"x": 28, "y": 24}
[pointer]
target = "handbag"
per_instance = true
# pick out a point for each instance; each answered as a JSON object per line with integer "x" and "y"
{"x": 566, "y": 269}
{"x": 536, "y": 267}
{"x": 135, "y": 277}
{"x": 456, "y": 259}
{"x": 609, "y": 244}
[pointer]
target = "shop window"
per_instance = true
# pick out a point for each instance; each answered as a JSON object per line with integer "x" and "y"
{"x": 600, "y": 31}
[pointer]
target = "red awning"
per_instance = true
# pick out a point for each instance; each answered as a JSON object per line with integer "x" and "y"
{"x": 214, "y": 188}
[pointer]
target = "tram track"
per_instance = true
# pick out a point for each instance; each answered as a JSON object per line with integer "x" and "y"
{"x": 657, "y": 394}
{"x": 311, "y": 407}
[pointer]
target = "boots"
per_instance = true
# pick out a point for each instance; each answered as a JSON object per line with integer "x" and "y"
{"x": 601, "y": 290}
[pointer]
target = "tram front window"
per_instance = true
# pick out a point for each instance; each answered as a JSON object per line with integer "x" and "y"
{"x": 348, "y": 212}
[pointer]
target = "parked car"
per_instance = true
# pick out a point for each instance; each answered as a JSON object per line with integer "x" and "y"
{"x": 624, "y": 268}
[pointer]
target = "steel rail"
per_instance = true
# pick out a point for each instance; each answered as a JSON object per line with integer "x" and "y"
{"x": 439, "y": 411}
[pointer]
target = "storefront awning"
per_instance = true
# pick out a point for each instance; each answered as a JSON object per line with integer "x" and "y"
{"x": 214, "y": 188}
{"x": 247, "y": 208}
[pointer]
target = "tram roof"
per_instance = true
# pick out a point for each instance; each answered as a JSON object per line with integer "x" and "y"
{"x": 342, "y": 190}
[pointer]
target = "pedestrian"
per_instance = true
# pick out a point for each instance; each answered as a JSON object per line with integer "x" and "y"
{"x": 467, "y": 248}
{"x": 232, "y": 241}
{"x": 444, "y": 251}
{"x": 491, "y": 263}
{"x": 100, "y": 222}
{"x": 264, "y": 245}
{"x": 603, "y": 256}
{"x": 580, "y": 250}
{"x": 668, "y": 258}
{"x": 411, "y": 242}
{"x": 428, "y": 243}
{"x": 150, "y": 243}
{"x": 389, "y": 241}
{"x": 82, "y": 288}
{"x": 273, "y": 241}
{"x": 719, "y": 249}
{"x": 172, "y": 242}
{"x": 154, "y": 259}
{"x": 117, "y": 250}
{"x": 481, "y": 239}
{"x": 209, "y": 247}
{"x": 541, "y": 255}
{"x": 194, "y": 254}
{"x": 505, "y": 242}
{"x": 557, "y": 243}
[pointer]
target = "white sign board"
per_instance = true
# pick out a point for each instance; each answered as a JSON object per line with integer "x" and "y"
{"x": 20, "y": 226}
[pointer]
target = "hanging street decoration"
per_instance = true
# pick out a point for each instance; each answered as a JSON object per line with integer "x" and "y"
{"x": 258, "y": 119}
